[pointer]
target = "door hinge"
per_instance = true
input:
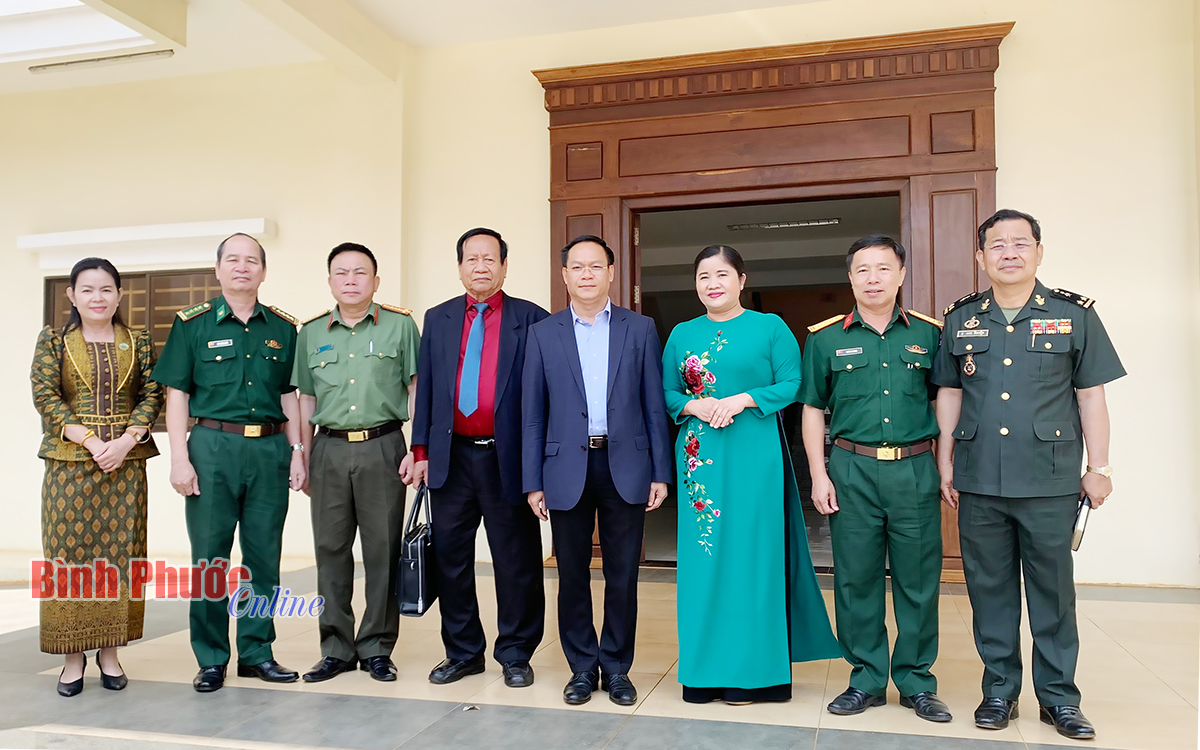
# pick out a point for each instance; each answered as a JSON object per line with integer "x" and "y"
{"x": 637, "y": 236}
{"x": 637, "y": 295}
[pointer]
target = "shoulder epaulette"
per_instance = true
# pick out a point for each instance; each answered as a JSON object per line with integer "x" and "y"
{"x": 283, "y": 315}
{"x": 395, "y": 309}
{"x": 1079, "y": 299}
{"x": 190, "y": 312}
{"x": 318, "y": 316}
{"x": 960, "y": 302}
{"x": 926, "y": 318}
{"x": 825, "y": 323}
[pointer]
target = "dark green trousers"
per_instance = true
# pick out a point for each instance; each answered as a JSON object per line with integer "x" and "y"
{"x": 1001, "y": 539}
{"x": 243, "y": 486}
{"x": 889, "y": 513}
{"x": 356, "y": 488}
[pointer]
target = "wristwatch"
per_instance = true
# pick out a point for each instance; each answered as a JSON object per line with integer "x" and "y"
{"x": 1104, "y": 471}
{"x": 300, "y": 447}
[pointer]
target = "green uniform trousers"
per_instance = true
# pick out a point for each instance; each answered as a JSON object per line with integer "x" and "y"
{"x": 888, "y": 509}
{"x": 243, "y": 481}
{"x": 1001, "y": 539}
{"x": 356, "y": 487}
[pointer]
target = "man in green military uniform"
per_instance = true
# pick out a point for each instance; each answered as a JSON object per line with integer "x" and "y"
{"x": 871, "y": 369}
{"x": 228, "y": 364}
{"x": 356, "y": 371}
{"x": 1022, "y": 370}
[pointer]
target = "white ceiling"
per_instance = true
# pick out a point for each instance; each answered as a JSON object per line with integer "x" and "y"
{"x": 448, "y": 22}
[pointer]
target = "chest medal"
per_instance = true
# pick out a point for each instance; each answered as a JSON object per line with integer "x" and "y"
{"x": 969, "y": 365}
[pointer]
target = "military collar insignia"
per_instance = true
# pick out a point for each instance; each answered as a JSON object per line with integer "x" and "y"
{"x": 915, "y": 349}
{"x": 986, "y": 304}
{"x": 222, "y": 311}
{"x": 1040, "y": 300}
{"x": 972, "y": 322}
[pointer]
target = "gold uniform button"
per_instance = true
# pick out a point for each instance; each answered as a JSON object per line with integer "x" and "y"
{"x": 1007, "y": 361}
{"x": 351, "y": 381}
{"x": 351, "y": 356}
{"x": 1004, "y": 396}
{"x": 249, "y": 382}
{"x": 885, "y": 364}
{"x": 353, "y": 333}
{"x": 322, "y": 364}
{"x": 1049, "y": 345}
{"x": 849, "y": 367}
{"x": 218, "y": 357}
{"x": 1003, "y": 430}
{"x": 885, "y": 392}
{"x": 247, "y": 356}
{"x": 970, "y": 347}
{"x": 352, "y": 408}
{"x": 885, "y": 419}
{"x": 1010, "y": 329}
{"x": 1058, "y": 433}
{"x": 247, "y": 330}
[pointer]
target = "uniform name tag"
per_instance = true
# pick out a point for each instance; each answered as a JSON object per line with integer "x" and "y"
{"x": 972, "y": 334}
{"x": 849, "y": 352}
{"x": 220, "y": 343}
{"x": 325, "y": 348}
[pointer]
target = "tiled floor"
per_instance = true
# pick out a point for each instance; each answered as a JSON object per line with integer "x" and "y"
{"x": 1138, "y": 674}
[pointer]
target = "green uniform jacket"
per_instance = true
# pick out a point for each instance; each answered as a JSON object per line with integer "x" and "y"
{"x": 234, "y": 372}
{"x": 358, "y": 375}
{"x": 877, "y": 386}
{"x": 1019, "y": 433}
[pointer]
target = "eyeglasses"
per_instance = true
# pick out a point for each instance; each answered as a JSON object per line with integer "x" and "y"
{"x": 576, "y": 269}
{"x": 1020, "y": 246}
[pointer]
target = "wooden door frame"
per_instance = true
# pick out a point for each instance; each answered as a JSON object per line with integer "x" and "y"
{"x": 909, "y": 114}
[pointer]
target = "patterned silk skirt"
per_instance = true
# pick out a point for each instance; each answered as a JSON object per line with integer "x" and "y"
{"x": 88, "y": 515}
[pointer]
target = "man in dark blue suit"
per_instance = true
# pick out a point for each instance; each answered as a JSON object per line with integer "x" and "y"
{"x": 466, "y": 436}
{"x": 596, "y": 446}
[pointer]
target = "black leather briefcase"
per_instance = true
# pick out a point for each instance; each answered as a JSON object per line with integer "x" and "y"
{"x": 416, "y": 581}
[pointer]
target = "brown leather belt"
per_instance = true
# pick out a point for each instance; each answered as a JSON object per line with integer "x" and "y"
{"x": 887, "y": 452}
{"x": 359, "y": 436}
{"x": 245, "y": 430}
{"x": 595, "y": 442}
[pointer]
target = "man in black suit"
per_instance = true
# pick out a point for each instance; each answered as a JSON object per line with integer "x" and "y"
{"x": 596, "y": 444}
{"x": 466, "y": 435}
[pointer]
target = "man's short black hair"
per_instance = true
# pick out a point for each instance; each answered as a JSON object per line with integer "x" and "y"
{"x": 875, "y": 240}
{"x": 1006, "y": 214}
{"x": 588, "y": 238}
{"x": 352, "y": 247}
{"x": 487, "y": 232}
{"x": 262, "y": 253}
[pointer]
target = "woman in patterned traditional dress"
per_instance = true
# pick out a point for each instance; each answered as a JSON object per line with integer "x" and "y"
{"x": 748, "y": 601}
{"x": 92, "y": 385}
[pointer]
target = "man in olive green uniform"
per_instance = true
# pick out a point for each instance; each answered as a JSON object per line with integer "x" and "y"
{"x": 356, "y": 370}
{"x": 871, "y": 369}
{"x": 227, "y": 363}
{"x": 1022, "y": 370}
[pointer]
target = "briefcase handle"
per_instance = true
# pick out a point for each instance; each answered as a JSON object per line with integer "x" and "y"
{"x": 421, "y": 501}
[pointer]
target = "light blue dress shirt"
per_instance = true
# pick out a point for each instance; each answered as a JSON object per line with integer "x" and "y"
{"x": 592, "y": 341}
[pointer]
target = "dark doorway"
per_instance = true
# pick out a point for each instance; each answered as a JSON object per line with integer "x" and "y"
{"x": 795, "y": 266}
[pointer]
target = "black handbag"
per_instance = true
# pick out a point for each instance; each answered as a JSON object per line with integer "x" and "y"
{"x": 416, "y": 588}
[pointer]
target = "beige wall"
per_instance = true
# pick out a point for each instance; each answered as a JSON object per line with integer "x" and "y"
{"x": 1096, "y": 110}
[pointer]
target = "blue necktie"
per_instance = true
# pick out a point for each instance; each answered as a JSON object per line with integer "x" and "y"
{"x": 468, "y": 386}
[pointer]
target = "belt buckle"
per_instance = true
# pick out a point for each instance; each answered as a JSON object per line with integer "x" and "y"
{"x": 597, "y": 441}
{"x": 356, "y": 436}
{"x": 252, "y": 430}
{"x": 887, "y": 454}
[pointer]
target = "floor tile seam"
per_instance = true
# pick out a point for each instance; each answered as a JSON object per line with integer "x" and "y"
{"x": 1020, "y": 744}
{"x": 292, "y": 697}
{"x": 456, "y": 707}
{"x": 194, "y": 740}
{"x": 1145, "y": 666}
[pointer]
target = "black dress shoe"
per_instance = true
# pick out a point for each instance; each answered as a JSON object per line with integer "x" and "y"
{"x": 109, "y": 682}
{"x": 328, "y": 668}
{"x": 855, "y": 701}
{"x": 995, "y": 713}
{"x": 517, "y": 674}
{"x": 1069, "y": 721}
{"x": 268, "y": 671}
{"x": 619, "y": 688}
{"x": 927, "y": 706}
{"x": 209, "y": 679}
{"x": 71, "y": 689}
{"x": 579, "y": 688}
{"x": 380, "y": 668}
{"x": 453, "y": 670}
